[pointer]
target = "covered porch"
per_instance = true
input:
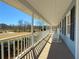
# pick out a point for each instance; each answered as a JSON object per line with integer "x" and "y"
{"x": 57, "y": 41}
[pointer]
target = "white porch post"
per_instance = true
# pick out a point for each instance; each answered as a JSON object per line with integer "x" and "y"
{"x": 42, "y": 28}
{"x": 51, "y": 29}
{"x": 32, "y": 28}
{"x": 61, "y": 27}
{"x": 77, "y": 31}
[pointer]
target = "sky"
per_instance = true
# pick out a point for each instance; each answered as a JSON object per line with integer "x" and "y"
{"x": 10, "y": 15}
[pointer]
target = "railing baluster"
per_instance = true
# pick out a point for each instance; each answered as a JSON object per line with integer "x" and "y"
{"x": 36, "y": 51}
{"x": 27, "y": 42}
{"x": 18, "y": 46}
{"x": 25, "y": 57}
{"x": 14, "y": 49}
{"x": 24, "y": 44}
{"x": 21, "y": 44}
{"x": 28, "y": 55}
{"x": 24, "y": 48}
{"x": 8, "y": 49}
{"x": 2, "y": 50}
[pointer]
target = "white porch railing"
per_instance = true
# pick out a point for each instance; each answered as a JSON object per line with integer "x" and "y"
{"x": 21, "y": 46}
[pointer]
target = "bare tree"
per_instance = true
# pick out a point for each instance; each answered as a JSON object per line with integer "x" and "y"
{"x": 20, "y": 22}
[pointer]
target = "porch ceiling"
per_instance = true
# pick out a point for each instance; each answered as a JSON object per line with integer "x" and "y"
{"x": 51, "y": 10}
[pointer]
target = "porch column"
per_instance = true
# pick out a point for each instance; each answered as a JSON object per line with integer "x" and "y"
{"x": 77, "y": 31}
{"x": 32, "y": 29}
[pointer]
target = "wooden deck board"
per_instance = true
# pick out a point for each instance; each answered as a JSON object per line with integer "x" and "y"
{"x": 55, "y": 50}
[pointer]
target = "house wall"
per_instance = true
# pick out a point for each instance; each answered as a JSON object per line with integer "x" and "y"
{"x": 70, "y": 44}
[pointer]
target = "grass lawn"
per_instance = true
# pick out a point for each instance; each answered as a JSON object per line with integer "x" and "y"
{"x": 9, "y": 35}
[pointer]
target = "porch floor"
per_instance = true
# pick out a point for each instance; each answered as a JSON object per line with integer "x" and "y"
{"x": 55, "y": 50}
